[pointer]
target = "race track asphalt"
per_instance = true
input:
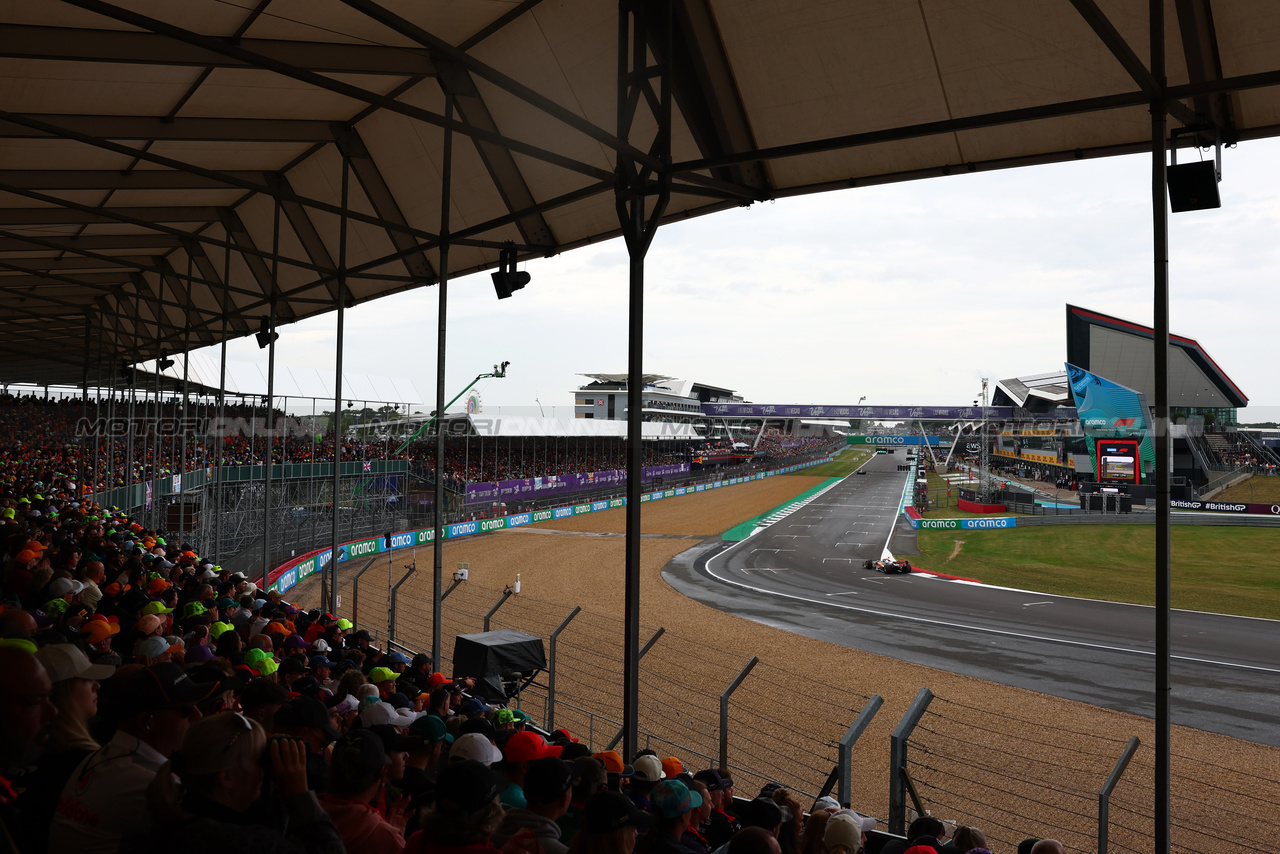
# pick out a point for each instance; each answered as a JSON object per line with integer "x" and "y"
{"x": 804, "y": 573}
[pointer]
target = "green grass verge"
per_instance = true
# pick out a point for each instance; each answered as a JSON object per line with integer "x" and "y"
{"x": 743, "y": 529}
{"x": 1257, "y": 490}
{"x": 1222, "y": 570}
{"x": 841, "y": 466}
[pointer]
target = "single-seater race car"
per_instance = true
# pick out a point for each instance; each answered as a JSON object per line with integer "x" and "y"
{"x": 888, "y": 567}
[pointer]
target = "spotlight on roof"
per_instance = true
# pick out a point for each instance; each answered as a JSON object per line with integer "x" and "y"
{"x": 265, "y": 334}
{"x": 507, "y": 280}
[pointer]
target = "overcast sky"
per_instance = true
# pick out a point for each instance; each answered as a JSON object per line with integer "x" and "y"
{"x": 907, "y": 294}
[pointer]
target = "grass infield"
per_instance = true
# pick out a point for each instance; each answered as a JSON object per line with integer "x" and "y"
{"x": 841, "y": 466}
{"x": 1222, "y": 570}
{"x": 1257, "y": 489}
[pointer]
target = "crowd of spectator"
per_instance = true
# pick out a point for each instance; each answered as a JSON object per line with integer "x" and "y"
{"x": 151, "y": 700}
{"x": 53, "y": 439}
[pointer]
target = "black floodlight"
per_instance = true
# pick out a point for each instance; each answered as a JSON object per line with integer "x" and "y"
{"x": 265, "y": 334}
{"x": 507, "y": 280}
{"x": 164, "y": 363}
{"x": 1194, "y": 186}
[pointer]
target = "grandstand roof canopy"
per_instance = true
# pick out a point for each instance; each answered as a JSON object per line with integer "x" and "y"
{"x": 1124, "y": 352}
{"x": 1037, "y": 393}
{"x": 169, "y": 169}
{"x": 530, "y": 427}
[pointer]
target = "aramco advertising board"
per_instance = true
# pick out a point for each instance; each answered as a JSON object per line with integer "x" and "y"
{"x": 1117, "y": 427}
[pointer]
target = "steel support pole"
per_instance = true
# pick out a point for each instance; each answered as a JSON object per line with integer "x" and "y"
{"x": 271, "y": 403}
{"x": 331, "y": 571}
{"x": 1104, "y": 797}
{"x": 395, "y": 592}
{"x": 155, "y": 440}
{"x": 506, "y": 594}
{"x": 622, "y": 731}
{"x": 845, "y": 761}
{"x": 724, "y": 709}
{"x": 1163, "y": 444}
{"x": 551, "y": 667}
{"x": 442, "y": 313}
{"x": 355, "y": 591}
{"x": 642, "y": 27}
{"x": 219, "y": 437}
{"x": 186, "y": 391}
{"x": 898, "y": 760}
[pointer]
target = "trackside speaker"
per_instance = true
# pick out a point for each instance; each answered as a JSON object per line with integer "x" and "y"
{"x": 1193, "y": 186}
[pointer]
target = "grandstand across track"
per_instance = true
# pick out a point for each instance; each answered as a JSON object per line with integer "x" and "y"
{"x": 804, "y": 573}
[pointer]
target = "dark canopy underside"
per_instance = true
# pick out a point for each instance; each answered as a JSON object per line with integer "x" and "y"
{"x": 166, "y": 165}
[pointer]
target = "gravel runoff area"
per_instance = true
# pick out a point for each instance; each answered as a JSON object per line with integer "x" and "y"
{"x": 1012, "y": 762}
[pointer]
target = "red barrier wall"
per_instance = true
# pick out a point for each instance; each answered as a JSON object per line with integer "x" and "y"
{"x": 974, "y": 507}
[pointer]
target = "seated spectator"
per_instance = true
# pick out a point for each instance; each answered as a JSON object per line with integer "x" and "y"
{"x": 474, "y": 746}
{"x": 813, "y": 841}
{"x": 518, "y": 754}
{"x": 753, "y": 840}
{"x": 358, "y": 773}
{"x": 105, "y": 800}
{"x": 1048, "y": 846}
{"x": 721, "y": 827}
{"x": 842, "y": 835}
{"x": 428, "y": 740}
{"x": 466, "y": 814}
{"x": 693, "y": 836}
{"x": 26, "y": 714}
{"x": 589, "y": 778}
{"x": 221, "y": 766}
{"x": 648, "y": 773}
{"x": 618, "y": 771}
{"x": 548, "y": 789}
{"x": 673, "y": 805}
{"x": 964, "y": 840}
{"x": 75, "y": 696}
{"x": 610, "y": 825}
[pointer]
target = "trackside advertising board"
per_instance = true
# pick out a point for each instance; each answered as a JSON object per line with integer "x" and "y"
{"x": 892, "y": 441}
{"x": 993, "y": 523}
{"x": 286, "y": 576}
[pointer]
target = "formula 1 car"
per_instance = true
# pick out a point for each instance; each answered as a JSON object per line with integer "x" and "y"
{"x": 889, "y": 567}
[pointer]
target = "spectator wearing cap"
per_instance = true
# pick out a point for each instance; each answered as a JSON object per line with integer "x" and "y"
{"x": 221, "y": 768}
{"x": 466, "y": 814}
{"x": 418, "y": 672}
{"x": 760, "y": 813}
{"x": 385, "y": 679}
{"x": 396, "y": 660}
{"x": 75, "y": 696}
{"x": 618, "y": 771}
{"x": 792, "y": 815}
{"x": 105, "y": 800}
{"x": 26, "y": 715}
{"x": 429, "y": 739}
{"x": 924, "y": 830}
{"x": 306, "y": 719}
{"x": 673, "y": 806}
{"x": 610, "y": 825}
{"x": 477, "y": 747}
{"x": 589, "y": 778}
{"x": 518, "y": 754}
{"x": 721, "y": 827}
{"x": 693, "y": 836}
{"x": 843, "y": 834}
{"x": 648, "y": 773}
{"x": 359, "y": 768}
{"x": 321, "y": 667}
{"x": 261, "y": 699}
{"x": 474, "y": 707}
{"x": 548, "y": 790}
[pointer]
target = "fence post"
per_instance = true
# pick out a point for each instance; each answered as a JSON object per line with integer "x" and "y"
{"x": 644, "y": 649}
{"x": 724, "y": 710}
{"x": 451, "y": 588}
{"x": 898, "y": 761}
{"x": 355, "y": 588}
{"x": 845, "y": 791}
{"x": 551, "y": 669}
{"x": 506, "y": 594}
{"x": 1104, "y": 797}
{"x": 395, "y": 592}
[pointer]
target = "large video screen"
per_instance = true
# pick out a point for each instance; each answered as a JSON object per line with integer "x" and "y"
{"x": 1118, "y": 462}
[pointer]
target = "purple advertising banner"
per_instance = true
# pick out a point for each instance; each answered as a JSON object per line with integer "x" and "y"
{"x": 542, "y": 487}
{"x": 1227, "y": 507}
{"x": 761, "y": 410}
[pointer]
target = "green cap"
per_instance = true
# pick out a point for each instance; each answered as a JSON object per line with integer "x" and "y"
{"x": 430, "y": 729}
{"x": 193, "y": 609}
{"x": 156, "y": 608}
{"x": 344, "y": 624}
{"x": 267, "y": 666}
{"x": 255, "y": 656}
{"x": 378, "y": 675}
{"x": 217, "y": 630}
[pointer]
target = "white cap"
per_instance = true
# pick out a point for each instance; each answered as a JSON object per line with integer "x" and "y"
{"x": 866, "y": 822}
{"x": 474, "y": 745}
{"x": 64, "y": 661}
{"x": 321, "y": 645}
{"x": 385, "y": 713}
